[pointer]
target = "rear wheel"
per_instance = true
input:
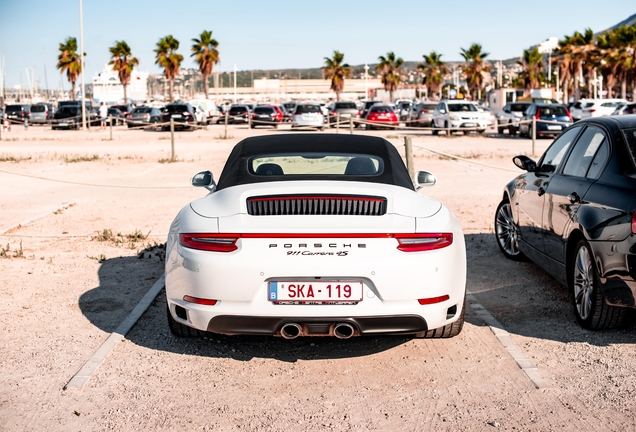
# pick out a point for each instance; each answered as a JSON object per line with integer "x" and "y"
{"x": 182, "y": 330}
{"x": 448, "y": 331}
{"x": 589, "y": 303}
{"x": 507, "y": 232}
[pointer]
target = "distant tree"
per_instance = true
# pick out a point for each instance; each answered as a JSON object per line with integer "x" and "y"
{"x": 168, "y": 58}
{"x": 69, "y": 61}
{"x": 390, "y": 73}
{"x": 474, "y": 66}
{"x": 434, "y": 70}
{"x": 123, "y": 63}
{"x": 532, "y": 68}
{"x": 205, "y": 53}
{"x": 336, "y": 71}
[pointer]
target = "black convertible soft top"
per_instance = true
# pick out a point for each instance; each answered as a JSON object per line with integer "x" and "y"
{"x": 236, "y": 172}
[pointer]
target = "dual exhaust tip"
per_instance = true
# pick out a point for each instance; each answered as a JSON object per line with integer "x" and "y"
{"x": 340, "y": 330}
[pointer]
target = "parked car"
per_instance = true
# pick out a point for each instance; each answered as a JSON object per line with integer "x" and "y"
{"x": 573, "y": 213}
{"x": 182, "y": 115}
{"x": 18, "y": 113}
{"x": 487, "y": 115}
{"x": 422, "y": 114}
{"x": 307, "y": 235}
{"x": 343, "y": 110}
{"x": 509, "y": 116}
{"x": 577, "y": 109}
{"x": 458, "y": 114}
{"x": 601, "y": 107}
{"x": 200, "y": 116}
{"x": 41, "y": 113}
{"x": 116, "y": 115}
{"x": 290, "y": 107}
{"x": 382, "y": 116}
{"x": 365, "y": 108}
{"x": 208, "y": 107}
{"x": 125, "y": 109}
{"x": 238, "y": 114}
{"x": 403, "y": 109}
{"x": 144, "y": 116}
{"x": 92, "y": 116}
{"x": 67, "y": 117}
{"x": 280, "y": 113}
{"x": 265, "y": 116}
{"x": 550, "y": 120}
{"x": 308, "y": 115}
{"x": 626, "y": 108}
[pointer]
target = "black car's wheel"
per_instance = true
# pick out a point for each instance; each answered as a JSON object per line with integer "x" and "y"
{"x": 589, "y": 303}
{"x": 434, "y": 131}
{"x": 507, "y": 232}
{"x": 500, "y": 130}
{"x": 182, "y": 330}
{"x": 448, "y": 331}
{"x": 512, "y": 131}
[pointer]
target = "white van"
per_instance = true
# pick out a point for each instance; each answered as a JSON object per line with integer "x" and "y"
{"x": 208, "y": 106}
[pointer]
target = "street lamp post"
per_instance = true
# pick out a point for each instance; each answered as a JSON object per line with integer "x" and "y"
{"x": 82, "y": 65}
{"x": 366, "y": 83}
{"x": 235, "y": 83}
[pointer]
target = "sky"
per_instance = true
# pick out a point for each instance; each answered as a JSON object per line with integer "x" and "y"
{"x": 277, "y": 34}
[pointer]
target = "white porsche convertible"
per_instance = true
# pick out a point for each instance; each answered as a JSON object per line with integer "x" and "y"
{"x": 315, "y": 235}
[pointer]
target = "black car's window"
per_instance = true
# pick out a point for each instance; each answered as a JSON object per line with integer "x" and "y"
{"x": 263, "y": 110}
{"x": 630, "y": 137}
{"x": 554, "y": 155}
{"x": 518, "y": 107}
{"x": 307, "y": 109}
{"x": 316, "y": 164}
{"x": 460, "y": 107}
{"x": 38, "y": 109}
{"x": 14, "y": 108}
{"x": 558, "y": 111}
{"x": 176, "y": 108}
{"x": 141, "y": 110}
{"x": 584, "y": 151}
{"x": 598, "y": 163}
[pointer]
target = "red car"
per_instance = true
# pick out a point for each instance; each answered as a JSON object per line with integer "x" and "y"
{"x": 280, "y": 115}
{"x": 381, "y": 115}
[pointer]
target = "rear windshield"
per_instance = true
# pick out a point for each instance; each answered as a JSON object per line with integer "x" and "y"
{"x": 238, "y": 109}
{"x": 381, "y": 109}
{"x": 175, "y": 108}
{"x": 345, "y": 105}
{"x": 38, "y": 109}
{"x": 554, "y": 110}
{"x": 14, "y": 108}
{"x": 289, "y": 105}
{"x": 630, "y": 137}
{"x": 430, "y": 107}
{"x": 458, "y": 107}
{"x": 263, "y": 110}
{"x": 316, "y": 164}
{"x": 518, "y": 107}
{"x": 68, "y": 110}
{"x": 307, "y": 109}
{"x": 141, "y": 110}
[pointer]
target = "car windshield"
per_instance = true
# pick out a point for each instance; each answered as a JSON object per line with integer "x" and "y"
{"x": 316, "y": 164}
{"x": 68, "y": 110}
{"x": 263, "y": 110}
{"x": 14, "y": 108}
{"x": 175, "y": 108}
{"x": 141, "y": 110}
{"x": 345, "y": 105}
{"x": 238, "y": 109}
{"x": 459, "y": 107}
{"x": 38, "y": 109}
{"x": 308, "y": 109}
{"x": 630, "y": 137}
{"x": 429, "y": 107}
{"x": 519, "y": 107}
{"x": 381, "y": 109}
{"x": 553, "y": 110}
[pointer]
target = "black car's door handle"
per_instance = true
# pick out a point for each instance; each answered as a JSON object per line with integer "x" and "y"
{"x": 574, "y": 198}
{"x": 540, "y": 191}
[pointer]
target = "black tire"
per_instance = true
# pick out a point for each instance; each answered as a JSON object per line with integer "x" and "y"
{"x": 448, "y": 131}
{"x": 500, "y": 130}
{"x": 590, "y": 308}
{"x": 435, "y": 131}
{"x": 512, "y": 131}
{"x": 448, "y": 331}
{"x": 252, "y": 126}
{"x": 507, "y": 232}
{"x": 182, "y": 330}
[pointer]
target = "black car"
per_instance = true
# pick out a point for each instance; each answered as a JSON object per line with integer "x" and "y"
{"x": 366, "y": 106}
{"x": 67, "y": 117}
{"x": 574, "y": 213}
{"x": 182, "y": 115}
{"x": 550, "y": 119}
{"x": 264, "y": 116}
{"x": 144, "y": 116}
{"x": 18, "y": 113}
{"x": 238, "y": 114}
{"x": 125, "y": 109}
{"x": 117, "y": 116}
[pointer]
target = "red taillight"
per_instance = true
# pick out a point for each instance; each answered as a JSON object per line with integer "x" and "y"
{"x": 201, "y": 301}
{"x": 567, "y": 111}
{"x": 333, "y": 113}
{"x": 210, "y": 242}
{"x": 433, "y": 300}
{"x": 538, "y": 116}
{"x": 254, "y": 116}
{"x": 591, "y": 110}
{"x": 424, "y": 241}
{"x": 146, "y": 116}
{"x": 634, "y": 223}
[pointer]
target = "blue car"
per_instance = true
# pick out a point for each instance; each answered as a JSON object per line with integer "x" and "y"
{"x": 551, "y": 120}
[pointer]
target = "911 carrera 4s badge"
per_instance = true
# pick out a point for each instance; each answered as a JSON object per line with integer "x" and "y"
{"x": 315, "y": 292}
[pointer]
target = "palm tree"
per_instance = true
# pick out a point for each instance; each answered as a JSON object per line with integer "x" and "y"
{"x": 205, "y": 52}
{"x": 336, "y": 71}
{"x": 123, "y": 62}
{"x": 390, "y": 73}
{"x": 168, "y": 58}
{"x": 533, "y": 65}
{"x": 434, "y": 70}
{"x": 474, "y": 66}
{"x": 70, "y": 61}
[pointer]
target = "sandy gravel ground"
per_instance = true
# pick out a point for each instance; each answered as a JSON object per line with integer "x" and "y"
{"x": 69, "y": 277}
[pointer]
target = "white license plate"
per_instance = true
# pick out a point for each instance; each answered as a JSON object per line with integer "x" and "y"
{"x": 554, "y": 127}
{"x": 64, "y": 124}
{"x": 315, "y": 292}
{"x": 176, "y": 115}
{"x": 470, "y": 124}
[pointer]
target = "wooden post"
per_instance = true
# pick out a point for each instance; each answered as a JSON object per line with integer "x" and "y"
{"x": 110, "y": 122}
{"x": 351, "y": 125}
{"x": 534, "y": 133}
{"x": 172, "y": 139}
{"x": 408, "y": 151}
{"x": 448, "y": 128}
{"x": 226, "y": 111}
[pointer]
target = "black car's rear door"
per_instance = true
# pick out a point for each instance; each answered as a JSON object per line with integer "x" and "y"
{"x": 564, "y": 195}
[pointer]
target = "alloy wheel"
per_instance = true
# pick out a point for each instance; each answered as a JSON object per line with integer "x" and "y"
{"x": 583, "y": 282}
{"x": 507, "y": 231}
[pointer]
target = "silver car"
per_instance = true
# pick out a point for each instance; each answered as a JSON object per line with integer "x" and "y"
{"x": 422, "y": 114}
{"x": 308, "y": 115}
{"x": 41, "y": 113}
{"x": 343, "y": 110}
{"x": 509, "y": 116}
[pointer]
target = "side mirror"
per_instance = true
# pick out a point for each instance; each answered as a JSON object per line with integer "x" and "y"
{"x": 204, "y": 179}
{"x": 443, "y": 111}
{"x": 424, "y": 178}
{"x": 525, "y": 163}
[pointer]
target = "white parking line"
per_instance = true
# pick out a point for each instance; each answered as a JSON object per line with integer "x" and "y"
{"x": 504, "y": 338}
{"x": 85, "y": 373}
{"x": 24, "y": 222}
